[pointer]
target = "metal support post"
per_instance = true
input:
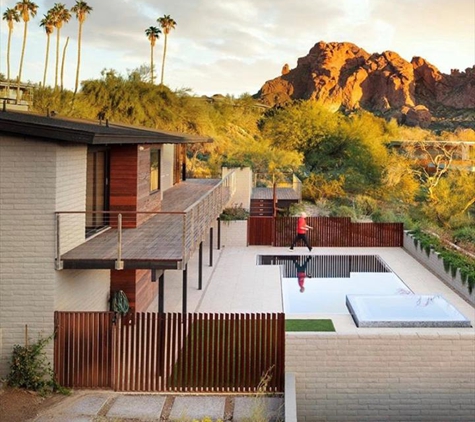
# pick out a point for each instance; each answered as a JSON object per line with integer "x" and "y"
{"x": 185, "y": 285}
{"x": 161, "y": 293}
{"x": 211, "y": 246}
{"x": 200, "y": 266}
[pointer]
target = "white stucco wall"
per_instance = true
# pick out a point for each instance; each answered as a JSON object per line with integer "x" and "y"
{"x": 76, "y": 290}
{"x": 168, "y": 159}
{"x": 234, "y": 233}
{"x": 242, "y": 196}
{"x": 36, "y": 179}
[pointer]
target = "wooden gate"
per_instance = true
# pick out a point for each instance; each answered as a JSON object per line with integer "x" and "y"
{"x": 169, "y": 352}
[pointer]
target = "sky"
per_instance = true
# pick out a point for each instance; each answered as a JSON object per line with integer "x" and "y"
{"x": 235, "y": 46}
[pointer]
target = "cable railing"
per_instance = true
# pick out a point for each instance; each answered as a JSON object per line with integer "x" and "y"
{"x": 118, "y": 235}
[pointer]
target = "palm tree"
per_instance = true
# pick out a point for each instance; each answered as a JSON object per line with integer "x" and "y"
{"x": 152, "y": 34}
{"x": 167, "y": 24}
{"x": 48, "y": 23}
{"x": 63, "y": 60}
{"x": 82, "y": 9}
{"x": 10, "y": 15}
{"x": 60, "y": 15}
{"x": 25, "y": 9}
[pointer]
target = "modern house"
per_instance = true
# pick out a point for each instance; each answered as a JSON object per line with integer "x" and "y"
{"x": 88, "y": 209}
{"x": 15, "y": 97}
{"x": 438, "y": 153}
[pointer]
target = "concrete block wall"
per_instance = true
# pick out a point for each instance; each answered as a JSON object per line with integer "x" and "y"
{"x": 436, "y": 265}
{"x": 27, "y": 240}
{"x": 383, "y": 377}
{"x": 36, "y": 180}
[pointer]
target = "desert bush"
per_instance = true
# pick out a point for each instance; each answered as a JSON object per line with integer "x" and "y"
{"x": 464, "y": 234}
{"x": 343, "y": 211}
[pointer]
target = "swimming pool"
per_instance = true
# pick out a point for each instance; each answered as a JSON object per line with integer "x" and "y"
{"x": 363, "y": 286}
{"x": 313, "y": 284}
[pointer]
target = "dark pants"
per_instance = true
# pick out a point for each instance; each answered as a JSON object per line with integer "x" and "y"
{"x": 303, "y": 238}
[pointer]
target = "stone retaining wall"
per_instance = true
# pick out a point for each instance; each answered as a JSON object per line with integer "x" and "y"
{"x": 436, "y": 265}
{"x": 383, "y": 377}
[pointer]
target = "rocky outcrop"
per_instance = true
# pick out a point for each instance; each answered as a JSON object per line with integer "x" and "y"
{"x": 348, "y": 77}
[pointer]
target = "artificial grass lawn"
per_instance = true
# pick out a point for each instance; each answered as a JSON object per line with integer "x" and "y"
{"x": 309, "y": 325}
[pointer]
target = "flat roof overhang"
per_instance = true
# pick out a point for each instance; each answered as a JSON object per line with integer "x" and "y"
{"x": 89, "y": 132}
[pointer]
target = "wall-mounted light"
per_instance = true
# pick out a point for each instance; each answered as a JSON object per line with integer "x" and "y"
{"x": 141, "y": 148}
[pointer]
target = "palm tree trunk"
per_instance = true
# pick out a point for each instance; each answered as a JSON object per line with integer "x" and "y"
{"x": 151, "y": 60}
{"x": 25, "y": 31}
{"x": 8, "y": 62}
{"x": 62, "y": 61}
{"x": 79, "y": 57}
{"x": 46, "y": 61}
{"x": 163, "y": 61}
{"x": 57, "y": 59}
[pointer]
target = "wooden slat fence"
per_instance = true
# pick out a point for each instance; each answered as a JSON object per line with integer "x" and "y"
{"x": 83, "y": 346}
{"x": 327, "y": 232}
{"x": 261, "y": 230}
{"x": 169, "y": 352}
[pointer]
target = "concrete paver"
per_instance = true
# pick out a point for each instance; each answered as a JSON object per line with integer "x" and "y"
{"x": 194, "y": 407}
{"x": 137, "y": 406}
{"x": 258, "y": 408}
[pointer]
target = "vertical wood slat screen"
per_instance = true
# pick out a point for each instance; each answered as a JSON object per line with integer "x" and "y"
{"x": 327, "y": 232}
{"x": 83, "y": 349}
{"x": 169, "y": 352}
{"x": 260, "y": 230}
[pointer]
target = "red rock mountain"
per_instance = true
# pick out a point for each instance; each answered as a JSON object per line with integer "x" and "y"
{"x": 346, "y": 76}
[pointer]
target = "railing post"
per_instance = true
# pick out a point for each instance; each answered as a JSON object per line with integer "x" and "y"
{"x": 119, "y": 264}
{"x": 59, "y": 263}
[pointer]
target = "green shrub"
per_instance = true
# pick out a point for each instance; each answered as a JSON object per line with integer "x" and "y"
{"x": 452, "y": 259}
{"x": 31, "y": 370}
{"x": 236, "y": 212}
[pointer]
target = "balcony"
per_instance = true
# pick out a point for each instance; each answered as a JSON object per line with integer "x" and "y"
{"x": 165, "y": 240}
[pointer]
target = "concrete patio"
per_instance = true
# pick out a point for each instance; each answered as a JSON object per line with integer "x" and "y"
{"x": 236, "y": 284}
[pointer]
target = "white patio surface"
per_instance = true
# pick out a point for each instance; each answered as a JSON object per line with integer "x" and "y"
{"x": 235, "y": 283}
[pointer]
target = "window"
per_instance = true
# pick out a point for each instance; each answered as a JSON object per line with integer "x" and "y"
{"x": 154, "y": 170}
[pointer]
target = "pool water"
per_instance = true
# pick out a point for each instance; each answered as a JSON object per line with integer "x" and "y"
{"x": 328, "y": 295}
{"x": 319, "y": 283}
{"x": 363, "y": 286}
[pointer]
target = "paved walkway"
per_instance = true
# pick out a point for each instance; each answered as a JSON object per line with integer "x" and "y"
{"x": 117, "y": 407}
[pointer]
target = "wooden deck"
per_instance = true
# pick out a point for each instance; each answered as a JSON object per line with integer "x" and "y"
{"x": 283, "y": 194}
{"x": 156, "y": 244}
